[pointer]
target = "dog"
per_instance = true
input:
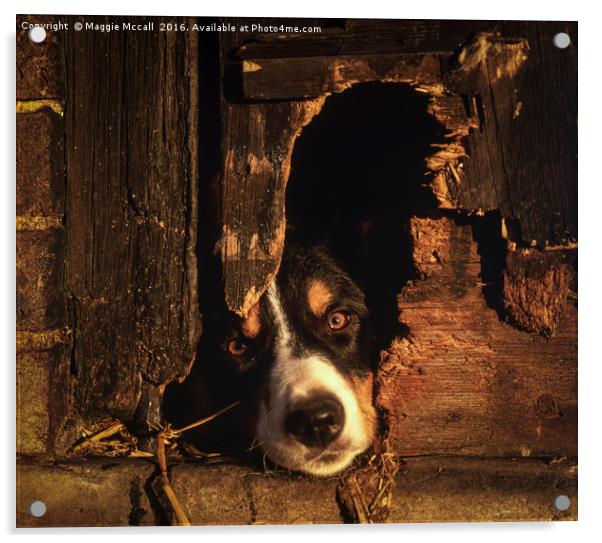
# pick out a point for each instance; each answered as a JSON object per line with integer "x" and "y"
{"x": 300, "y": 365}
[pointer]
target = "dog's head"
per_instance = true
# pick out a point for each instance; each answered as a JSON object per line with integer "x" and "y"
{"x": 306, "y": 346}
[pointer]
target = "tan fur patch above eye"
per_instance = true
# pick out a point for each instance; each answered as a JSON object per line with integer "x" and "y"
{"x": 363, "y": 389}
{"x": 252, "y": 324}
{"x": 319, "y": 298}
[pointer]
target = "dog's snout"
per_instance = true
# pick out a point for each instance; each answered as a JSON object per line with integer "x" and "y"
{"x": 316, "y": 422}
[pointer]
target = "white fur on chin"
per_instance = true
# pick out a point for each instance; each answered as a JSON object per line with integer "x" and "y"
{"x": 293, "y": 379}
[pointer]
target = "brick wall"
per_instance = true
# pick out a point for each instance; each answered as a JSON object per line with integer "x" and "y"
{"x": 42, "y": 334}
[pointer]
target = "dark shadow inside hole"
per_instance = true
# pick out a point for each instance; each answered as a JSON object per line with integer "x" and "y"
{"x": 190, "y": 400}
{"x": 357, "y": 175}
{"x": 487, "y": 233}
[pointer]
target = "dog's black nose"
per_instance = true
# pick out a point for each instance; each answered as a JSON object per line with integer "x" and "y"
{"x": 316, "y": 422}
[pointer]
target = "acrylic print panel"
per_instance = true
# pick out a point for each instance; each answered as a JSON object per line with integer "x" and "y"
{"x": 284, "y": 271}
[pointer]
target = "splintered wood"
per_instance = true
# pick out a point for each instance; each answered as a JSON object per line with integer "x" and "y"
{"x": 258, "y": 148}
{"x": 463, "y": 381}
{"x": 536, "y": 286}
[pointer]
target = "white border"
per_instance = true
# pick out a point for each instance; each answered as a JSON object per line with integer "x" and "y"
{"x": 590, "y": 200}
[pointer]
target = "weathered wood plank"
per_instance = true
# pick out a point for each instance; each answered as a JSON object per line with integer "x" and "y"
{"x": 307, "y": 77}
{"x": 131, "y": 214}
{"x": 257, "y": 146}
{"x": 522, "y": 159}
{"x": 464, "y": 382}
{"x": 360, "y": 37}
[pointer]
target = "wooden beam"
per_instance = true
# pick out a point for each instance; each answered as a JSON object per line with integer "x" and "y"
{"x": 307, "y": 77}
{"x": 357, "y": 37}
{"x": 131, "y": 166}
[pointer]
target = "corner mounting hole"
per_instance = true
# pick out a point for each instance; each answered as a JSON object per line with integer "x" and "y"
{"x": 37, "y": 509}
{"x": 36, "y": 34}
{"x": 561, "y": 40}
{"x": 562, "y": 502}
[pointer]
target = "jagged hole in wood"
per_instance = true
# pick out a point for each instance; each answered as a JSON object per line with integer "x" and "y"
{"x": 359, "y": 166}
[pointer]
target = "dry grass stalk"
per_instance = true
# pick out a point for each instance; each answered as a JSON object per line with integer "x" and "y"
{"x": 367, "y": 492}
{"x": 97, "y": 443}
{"x": 175, "y": 434}
{"x": 176, "y": 507}
{"x": 164, "y": 437}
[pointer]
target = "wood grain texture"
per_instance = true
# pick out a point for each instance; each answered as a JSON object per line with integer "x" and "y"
{"x": 362, "y": 36}
{"x": 306, "y": 77}
{"x": 131, "y": 213}
{"x": 258, "y": 143}
{"x": 461, "y": 381}
{"x": 258, "y": 146}
{"x": 511, "y": 142}
{"x": 522, "y": 158}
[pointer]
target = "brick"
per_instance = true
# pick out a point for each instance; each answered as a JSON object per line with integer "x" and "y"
{"x": 114, "y": 492}
{"x": 39, "y": 65}
{"x": 33, "y": 419}
{"x": 42, "y": 341}
{"x": 40, "y": 164}
{"x": 40, "y": 260}
{"x": 106, "y": 493}
{"x": 45, "y": 422}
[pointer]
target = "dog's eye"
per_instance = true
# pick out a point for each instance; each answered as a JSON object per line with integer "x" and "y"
{"x": 338, "y": 320}
{"x": 237, "y": 347}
